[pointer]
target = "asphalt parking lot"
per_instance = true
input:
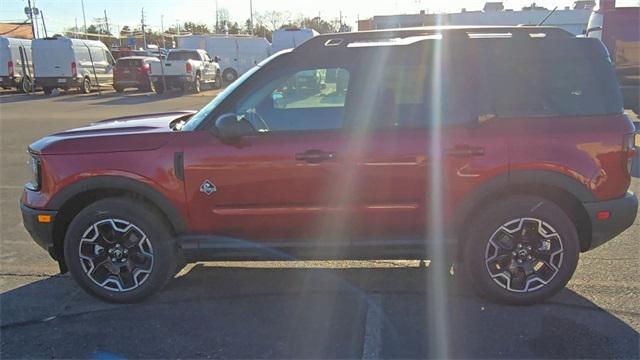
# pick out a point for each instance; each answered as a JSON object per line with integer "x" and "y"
{"x": 348, "y": 309}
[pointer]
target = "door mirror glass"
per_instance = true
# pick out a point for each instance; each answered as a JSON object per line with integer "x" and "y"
{"x": 216, "y": 59}
{"x": 231, "y": 126}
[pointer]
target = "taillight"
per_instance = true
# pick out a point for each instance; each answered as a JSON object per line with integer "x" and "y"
{"x": 74, "y": 69}
{"x": 144, "y": 69}
{"x": 189, "y": 67}
{"x": 10, "y": 67}
{"x": 629, "y": 150}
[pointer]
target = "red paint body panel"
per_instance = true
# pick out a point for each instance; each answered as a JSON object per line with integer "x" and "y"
{"x": 378, "y": 183}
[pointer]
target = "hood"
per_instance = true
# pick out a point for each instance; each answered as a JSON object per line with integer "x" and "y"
{"x": 132, "y": 133}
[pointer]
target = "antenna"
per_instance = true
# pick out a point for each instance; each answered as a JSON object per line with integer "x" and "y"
{"x": 546, "y": 17}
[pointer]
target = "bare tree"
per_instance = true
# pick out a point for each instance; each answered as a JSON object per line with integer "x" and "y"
{"x": 274, "y": 20}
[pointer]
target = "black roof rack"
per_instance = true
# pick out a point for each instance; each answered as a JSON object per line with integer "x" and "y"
{"x": 340, "y": 40}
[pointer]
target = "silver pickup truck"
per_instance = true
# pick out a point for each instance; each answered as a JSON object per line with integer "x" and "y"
{"x": 187, "y": 70}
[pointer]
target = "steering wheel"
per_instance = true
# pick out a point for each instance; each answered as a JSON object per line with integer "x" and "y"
{"x": 255, "y": 117}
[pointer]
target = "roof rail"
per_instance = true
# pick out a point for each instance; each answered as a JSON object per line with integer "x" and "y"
{"x": 338, "y": 40}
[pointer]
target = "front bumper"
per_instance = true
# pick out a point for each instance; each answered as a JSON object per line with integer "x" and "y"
{"x": 622, "y": 215}
{"x": 41, "y": 232}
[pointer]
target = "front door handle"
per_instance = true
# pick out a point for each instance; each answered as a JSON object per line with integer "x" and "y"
{"x": 464, "y": 151}
{"x": 315, "y": 156}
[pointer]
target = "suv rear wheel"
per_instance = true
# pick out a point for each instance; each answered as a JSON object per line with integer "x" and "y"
{"x": 119, "y": 250}
{"x": 521, "y": 250}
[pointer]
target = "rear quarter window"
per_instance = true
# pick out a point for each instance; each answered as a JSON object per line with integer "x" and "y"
{"x": 548, "y": 79}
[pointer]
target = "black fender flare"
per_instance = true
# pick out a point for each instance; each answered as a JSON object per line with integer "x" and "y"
{"x": 121, "y": 183}
{"x": 504, "y": 182}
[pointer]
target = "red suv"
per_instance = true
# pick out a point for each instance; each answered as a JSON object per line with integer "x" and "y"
{"x": 133, "y": 71}
{"x": 505, "y": 149}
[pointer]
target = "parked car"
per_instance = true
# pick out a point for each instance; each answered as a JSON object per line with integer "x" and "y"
{"x": 483, "y": 144}
{"x": 289, "y": 38}
{"x": 127, "y": 52}
{"x": 237, "y": 53}
{"x": 617, "y": 27}
{"x": 187, "y": 70}
{"x": 133, "y": 72}
{"x": 16, "y": 68}
{"x": 65, "y": 63}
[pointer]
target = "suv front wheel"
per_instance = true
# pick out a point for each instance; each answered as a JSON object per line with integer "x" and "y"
{"x": 120, "y": 250}
{"x": 521, "y": 250}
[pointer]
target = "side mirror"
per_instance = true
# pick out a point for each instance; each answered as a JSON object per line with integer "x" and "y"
{"x": 216, "y": 59}
{"x": 231, "y": 126}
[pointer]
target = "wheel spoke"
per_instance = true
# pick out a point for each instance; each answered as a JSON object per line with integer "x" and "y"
{"x": 116, "y": 255}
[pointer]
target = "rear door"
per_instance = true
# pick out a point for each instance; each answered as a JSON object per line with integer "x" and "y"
{"x": 53, "y": 57}
{"x": 284, "y": 181}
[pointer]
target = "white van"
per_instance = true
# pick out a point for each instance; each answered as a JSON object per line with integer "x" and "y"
{"x": 66, "y": 63}
{"x": 236, "y": 53}
{"x": 289, "y": 38}
{"x": 16, "y": 68}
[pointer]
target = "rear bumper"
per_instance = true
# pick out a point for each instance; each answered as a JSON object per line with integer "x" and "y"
{"x": 9, "y": 81}
{"x": 41, "y": 233}
{"x": 172, "y": 80}
{"x": 57, "y": 82}
{"x": 622, "y": 215}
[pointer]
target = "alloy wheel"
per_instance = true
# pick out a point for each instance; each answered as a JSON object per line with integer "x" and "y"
{"x": 116, "y": 255}
{"x": 524, "y": 254}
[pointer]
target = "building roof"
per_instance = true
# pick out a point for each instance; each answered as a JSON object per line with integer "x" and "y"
{"x": 16, "y": 30}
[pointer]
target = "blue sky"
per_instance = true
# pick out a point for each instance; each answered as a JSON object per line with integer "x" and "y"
{"x": 60, "y": 14}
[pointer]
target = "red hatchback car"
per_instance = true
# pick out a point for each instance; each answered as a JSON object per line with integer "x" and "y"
{"x": 503, "y": 149}
{"x": 133, "y": 72}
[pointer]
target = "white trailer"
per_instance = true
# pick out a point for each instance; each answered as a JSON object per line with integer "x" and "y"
{"x": 289, "y": 38}
{"x": 16, "y": 68}
{"x": 237, "y": 53}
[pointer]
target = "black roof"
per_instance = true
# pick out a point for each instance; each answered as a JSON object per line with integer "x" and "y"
{"x": 340, "y": 40}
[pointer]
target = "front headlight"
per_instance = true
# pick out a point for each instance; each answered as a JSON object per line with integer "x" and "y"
{"x": 34, "y": 170}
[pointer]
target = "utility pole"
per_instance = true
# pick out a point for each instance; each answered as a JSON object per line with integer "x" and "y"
{"x": 76, "y": 28}
{"x": 29, "y": 12}
{"x": 217, "y": 18}
{"x": 35, "y": 12}
{"x": 106, "y": 22}
{"x": 164, "y": 82}
{"x": 144, "y": 35}
{"x": 84, "y": 17}
{"x": 44, "y": 26}
{"x": 251, "y": 14}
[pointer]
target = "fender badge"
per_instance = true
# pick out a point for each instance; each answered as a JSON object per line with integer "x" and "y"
{"x": 208, "y": 187}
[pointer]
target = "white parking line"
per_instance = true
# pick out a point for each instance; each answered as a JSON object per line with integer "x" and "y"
{"x": 372, "y": 348}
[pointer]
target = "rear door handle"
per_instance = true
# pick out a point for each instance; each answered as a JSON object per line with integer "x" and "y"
{"x": 464, "y": 151}
{"x": 315, "y": 156}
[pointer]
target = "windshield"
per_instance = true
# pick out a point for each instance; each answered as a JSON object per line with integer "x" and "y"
{"x": 201, "y": 115}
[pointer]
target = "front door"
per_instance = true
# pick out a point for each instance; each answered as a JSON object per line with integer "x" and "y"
{"x": 283, "y": 182}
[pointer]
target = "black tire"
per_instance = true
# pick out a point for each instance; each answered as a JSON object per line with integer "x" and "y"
{"x": 508, "y": 277}
{"x": 218, "y": 84}
{"x": 85, "y": 86}
{"x": 229, "y": 76}
{"x": 148, "y": 265}
{"x": 47, "y": 90}
{"x": 196, "y": 87}
{"x": 158, "y": 88}
{"x": 25, "y": 85}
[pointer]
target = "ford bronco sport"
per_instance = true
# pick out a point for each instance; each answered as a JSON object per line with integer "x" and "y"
{"x": 505, "y": 149}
